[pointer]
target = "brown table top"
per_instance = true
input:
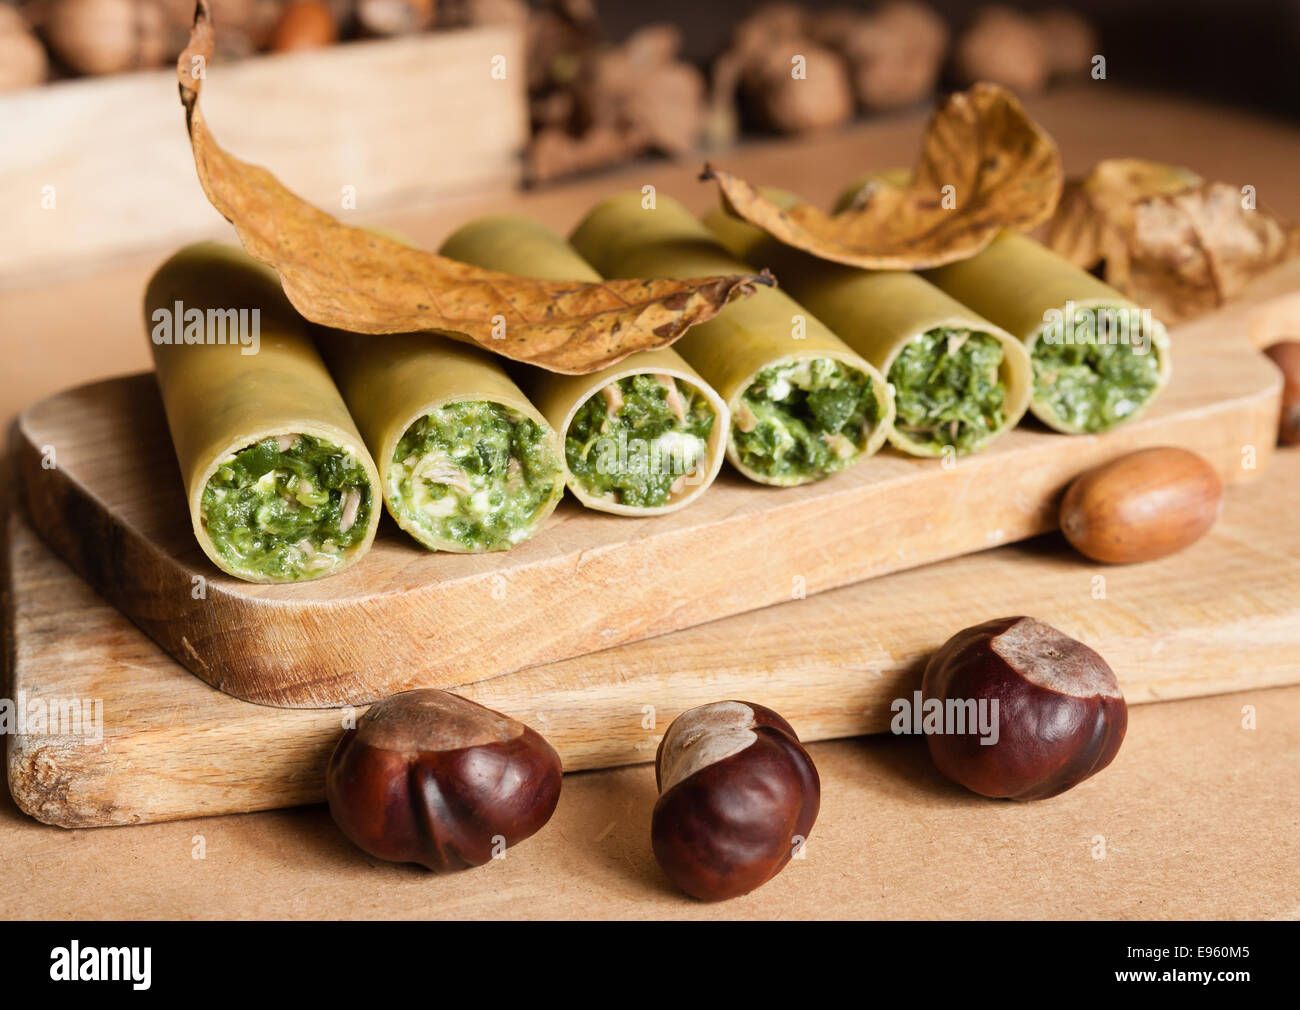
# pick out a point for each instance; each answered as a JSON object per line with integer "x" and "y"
{"x": 1199, "y": 819}
{"x": 1198, "y": 815}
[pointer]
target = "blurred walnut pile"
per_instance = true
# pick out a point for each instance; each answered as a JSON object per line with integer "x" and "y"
{"x": 594, "y": 104}
{"x": 1023, "y": 51}
{"x": 785, "y": 69}
{"x": 796, "y": 71}
{"x": 48, "y": 39}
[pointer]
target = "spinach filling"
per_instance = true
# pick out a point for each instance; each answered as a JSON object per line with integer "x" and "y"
{"x": 287, "y": 507}
{"x": 804, "y": 420}
{"x": 639, "y": 440}
{"x": 1093, "y": 386}
{"x": 947, "y": 389}
{"x": 475, "y": 474}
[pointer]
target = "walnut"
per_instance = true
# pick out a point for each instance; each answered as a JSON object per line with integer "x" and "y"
{"x": 895, "y": 53}
{"x": 772, "y": 24}
{"x": 554, "y": 153}
{"x": 642, "y": 89}
{"x": 1005, "y": 47}
{"x": 669, "y": 107}
{"x": 784, "y": 67}
{"x": 23, "y": 62}
{"x": 107, "y": 36}
{"x": 1071, "y": 41}
{"x": 798, "y": 87}
{"x": 600, "y": 104}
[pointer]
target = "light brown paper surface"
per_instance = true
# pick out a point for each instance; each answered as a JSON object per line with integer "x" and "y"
{"x": 1198, "y": 815}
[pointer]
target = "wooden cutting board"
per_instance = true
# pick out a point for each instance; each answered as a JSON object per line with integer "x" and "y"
{"x": 1222, "y": 616}
{"x": 102, "y": 486}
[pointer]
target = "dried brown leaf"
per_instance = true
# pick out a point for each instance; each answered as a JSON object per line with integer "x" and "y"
{"x": 1004, "y": 170}
{"x": 352, "y": 279}
{"x": 1165, "y": 237}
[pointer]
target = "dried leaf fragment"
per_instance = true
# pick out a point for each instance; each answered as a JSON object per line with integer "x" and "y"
{"x": 1005, "y": 172}
{"x": 352, "y": 279}
{"x": 1167, "y": 238}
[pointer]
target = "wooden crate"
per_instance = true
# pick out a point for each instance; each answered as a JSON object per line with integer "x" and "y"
{"x": 401, "y": 121}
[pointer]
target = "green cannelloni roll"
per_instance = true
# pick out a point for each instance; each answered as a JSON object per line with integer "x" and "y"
{"x": 803, "y": 404}
{"x": 642, "y": 437}
{"x": 959, "y": 381}
{"x": 278, "y": 481}
{"x": 1099, "y": 360}
{"x": 468, "y": 464}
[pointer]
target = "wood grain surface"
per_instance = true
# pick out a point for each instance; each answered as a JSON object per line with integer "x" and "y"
{"x": 1222, "y": 616}
{"x": 101, "y": 484}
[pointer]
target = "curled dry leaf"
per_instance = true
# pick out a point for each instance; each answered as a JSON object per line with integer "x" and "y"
{"x": 1004, "y": 170}
{"x": 352, "y": 279}
{"x": 1167, "y": 238}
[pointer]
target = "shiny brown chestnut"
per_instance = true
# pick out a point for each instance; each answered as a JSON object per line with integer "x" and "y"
{"x": 1061, "y": 714}
{"x": 738, "y": 796}
{"x": 429, "y": 777}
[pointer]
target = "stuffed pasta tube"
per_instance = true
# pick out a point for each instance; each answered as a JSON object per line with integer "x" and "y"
{"x": 1099, "y": 360}
{"x": 468, "y": 464}
{"x": 641, "y": 437}
{"x": 959, "y": 381}
{"x": 279, "y": 484}
{"x": 803, "y": 404}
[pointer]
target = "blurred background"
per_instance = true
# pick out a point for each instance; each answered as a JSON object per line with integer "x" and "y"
{"x": 608, "y": 80}
{"x": 411, "y": 102}
{"x": 1242, "y": 51}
